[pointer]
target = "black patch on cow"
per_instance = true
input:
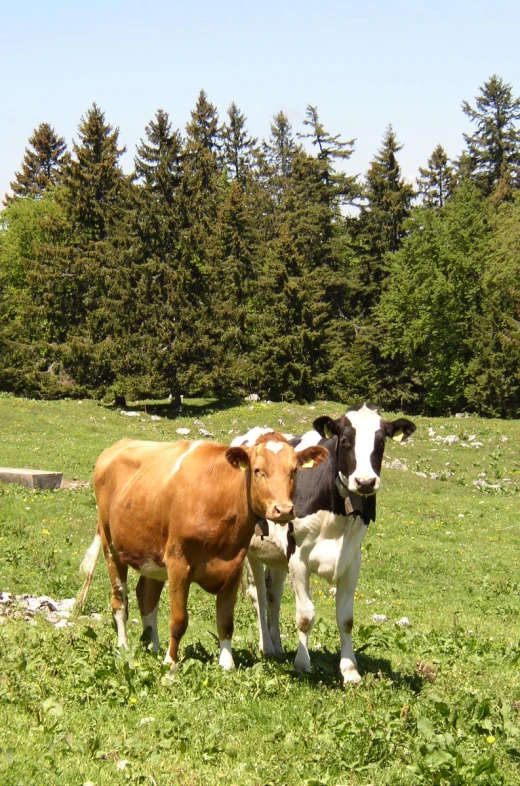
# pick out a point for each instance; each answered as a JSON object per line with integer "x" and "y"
{"x": 376, "y": 457}
{"x": 317, "y": 489}
{"x": 291, "y": 543}
{"x": 363, "y": 506}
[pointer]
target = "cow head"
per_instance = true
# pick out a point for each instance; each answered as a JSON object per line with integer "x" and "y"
{"x": 271, "y": 465}
{"x": 361, "y": 435}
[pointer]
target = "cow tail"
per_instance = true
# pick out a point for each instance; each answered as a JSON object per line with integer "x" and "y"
{"x": 87, "y": 567}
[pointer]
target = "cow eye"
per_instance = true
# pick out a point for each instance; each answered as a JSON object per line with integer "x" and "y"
{"x": 344, "y": 442}
{"x": 258, "y": 473}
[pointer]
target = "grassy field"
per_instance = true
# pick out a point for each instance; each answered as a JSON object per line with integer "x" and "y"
{"x": 439, "y": 702}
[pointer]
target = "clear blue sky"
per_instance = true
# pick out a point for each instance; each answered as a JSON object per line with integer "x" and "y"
{"x": 364, "y": 65}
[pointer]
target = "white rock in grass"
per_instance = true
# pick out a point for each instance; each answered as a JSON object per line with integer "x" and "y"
{"x": 182, "y": 431}
{"x": 379, "y": 618}
{"x": 451, "y": 439}
{"x": 63, "y": 624}
{"x": 404, "y": 622}
{"x": 123, "y": 764}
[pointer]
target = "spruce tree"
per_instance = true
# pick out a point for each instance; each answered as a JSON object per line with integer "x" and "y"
{"x": 437, "y": 180}
{"x": 494, "y": 148}
{"x": 95, "y": 195}
{"x": 239, "y": 148}
{"x": 388, "y": 198}
{"x": 158, "y": 158}
{"x": 41, "y": 166}
{"x": 93, "y": 178}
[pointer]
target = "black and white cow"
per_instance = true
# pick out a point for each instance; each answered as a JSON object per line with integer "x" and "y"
{"x": 334, "y": 505}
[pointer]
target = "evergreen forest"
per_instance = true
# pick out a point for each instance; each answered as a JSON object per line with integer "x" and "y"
{"x": 226, "y": 265}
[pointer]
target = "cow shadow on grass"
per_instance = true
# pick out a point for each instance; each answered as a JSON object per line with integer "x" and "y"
{"x": 324, "y": 667}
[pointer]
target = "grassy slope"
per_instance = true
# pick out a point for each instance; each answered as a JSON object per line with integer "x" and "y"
{"x": 439, "y": 700}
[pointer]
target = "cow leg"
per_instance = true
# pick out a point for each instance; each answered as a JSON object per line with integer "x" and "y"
{"x": 118, "y": 575}
{"x": 345, "y": 589}
{"x": 257, "y": 592}
{"x": 148, "y": 592}
{"x": 179, "y": 585}
{"x": 274, "y": 581}
{"x": 305, "y": 614}
{"x": 226, "y": 600}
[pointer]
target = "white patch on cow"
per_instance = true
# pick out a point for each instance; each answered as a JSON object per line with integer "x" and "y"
{"x": 151, "y": 570}
{"x": 249, "y": 439}
{"x": 274, "y": 447}
{"x": 91, "y": 556}
{"x": 192, "y": 447}
{"x": 120, "y": 616}
{"x": 226, "y": 656}
{"x": 309, "y": 439}
{"x": 366, "y": 422}
{"x": 150, "y": 621}
{"x": 168, "y": 660}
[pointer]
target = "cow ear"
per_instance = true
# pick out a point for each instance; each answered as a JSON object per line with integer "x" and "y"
{"x": 311, "y": 457}
{"x": 238, "y": 458}
{"x": 325, "y": 426}
{"x": 400, "y": 429}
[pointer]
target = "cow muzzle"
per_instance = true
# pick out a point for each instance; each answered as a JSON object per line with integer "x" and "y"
{"x": 361, "y": 484}
{"x": 281, "y": 512}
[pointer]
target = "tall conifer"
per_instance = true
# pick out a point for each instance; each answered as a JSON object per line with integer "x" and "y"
{"x": 437, "y": 181}
{"x": 42, "y": 165}
{"x": 494, "y": 148}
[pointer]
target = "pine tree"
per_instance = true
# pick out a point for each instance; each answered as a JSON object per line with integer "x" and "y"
{"x": 388, "y": 198}
{"x": 158, "y": 159}
{"x": 437, "y": 180}
{"x": 93, "y": 178}
{"x": 42, "y": 165}
{"x": 95, "y": 195}
{"x": 276, "y": 159}
{"x": 239, "y": 147}
{"x": 339, "y": 189}
{"x": 494, "y": 148}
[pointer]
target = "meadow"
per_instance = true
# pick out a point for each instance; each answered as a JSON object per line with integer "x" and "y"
{"x": 439, "y": 701}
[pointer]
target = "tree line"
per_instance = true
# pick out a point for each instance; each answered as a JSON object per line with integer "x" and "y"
{"x": 226, "y": 265}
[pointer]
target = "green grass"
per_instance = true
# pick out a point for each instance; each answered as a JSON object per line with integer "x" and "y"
{"x": 439, "y": 702}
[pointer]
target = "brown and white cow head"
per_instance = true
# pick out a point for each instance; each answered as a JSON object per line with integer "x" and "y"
{"x": 271, "y": 465}
{"x": 361, "y": 437}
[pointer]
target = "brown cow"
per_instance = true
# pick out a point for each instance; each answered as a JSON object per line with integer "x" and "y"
{"x": 186, "y": 511}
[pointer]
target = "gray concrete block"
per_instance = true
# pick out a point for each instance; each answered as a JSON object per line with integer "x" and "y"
{"x": 32, "y": 478}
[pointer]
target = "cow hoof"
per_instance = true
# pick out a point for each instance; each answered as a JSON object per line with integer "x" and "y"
{"x": 351, "y": 677}
{"x": 226, "y": 657}
{"x": 303, "y": 665}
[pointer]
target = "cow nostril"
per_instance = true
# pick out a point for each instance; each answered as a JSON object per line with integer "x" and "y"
{"x": 281, "y": 510}
{"x": 365, "y": 483}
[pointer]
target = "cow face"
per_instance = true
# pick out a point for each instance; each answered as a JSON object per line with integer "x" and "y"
{"x": 361, "y": 435}
{"x": 271, "y": 466}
